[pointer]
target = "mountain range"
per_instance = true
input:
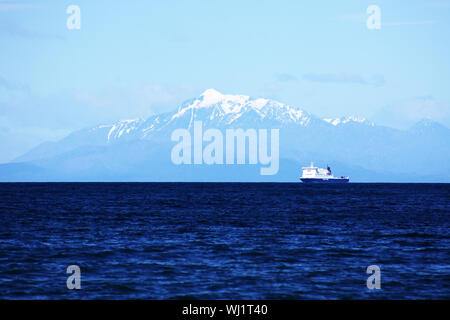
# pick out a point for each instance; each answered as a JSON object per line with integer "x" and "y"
{"x": 140, "y": 149}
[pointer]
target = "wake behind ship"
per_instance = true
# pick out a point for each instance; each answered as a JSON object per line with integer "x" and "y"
{"x": 313, "y": 174}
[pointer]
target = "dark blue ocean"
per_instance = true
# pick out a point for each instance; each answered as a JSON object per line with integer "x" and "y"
{"x": 224, "y": 240}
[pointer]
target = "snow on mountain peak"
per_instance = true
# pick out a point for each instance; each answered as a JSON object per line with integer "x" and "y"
{"x": 228, "y": 103}
{"x": 211, "y": 96}
{"x": 235, "y": 105}
{"x": 259, "y": 103}
{"x": 343, "y": 120}
{"x": 223, "y": 109}
{"x": 218, "y": 110}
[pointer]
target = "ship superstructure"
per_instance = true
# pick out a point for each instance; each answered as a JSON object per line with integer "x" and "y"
{"x": 314, "y": 174}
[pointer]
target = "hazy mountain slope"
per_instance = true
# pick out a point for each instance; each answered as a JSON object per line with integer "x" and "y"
{"x": 139, "y": 150}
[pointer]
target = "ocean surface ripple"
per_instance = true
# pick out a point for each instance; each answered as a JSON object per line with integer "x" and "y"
{"x": 224, "y": 240}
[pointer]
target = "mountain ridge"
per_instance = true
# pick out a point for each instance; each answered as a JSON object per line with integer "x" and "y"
{"x": 350, "y": 141}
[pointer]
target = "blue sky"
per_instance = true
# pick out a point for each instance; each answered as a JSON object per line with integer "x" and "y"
{"x": 136, "y": 58}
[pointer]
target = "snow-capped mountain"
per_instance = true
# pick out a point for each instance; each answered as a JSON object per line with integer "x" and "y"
{"x": 228, "y": 109}
{"x": 348, "y": 119}
{"x": 217, "y": 110}
{"x": 139, "y": 149}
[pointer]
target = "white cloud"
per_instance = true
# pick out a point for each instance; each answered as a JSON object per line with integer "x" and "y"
{"x": 10, "y": 5}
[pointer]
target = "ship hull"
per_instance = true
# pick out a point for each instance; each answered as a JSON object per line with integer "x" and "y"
{"x": 320, "y": 180}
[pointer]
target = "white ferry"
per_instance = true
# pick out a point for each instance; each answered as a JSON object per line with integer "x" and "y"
{"x": 313, "y": 174}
